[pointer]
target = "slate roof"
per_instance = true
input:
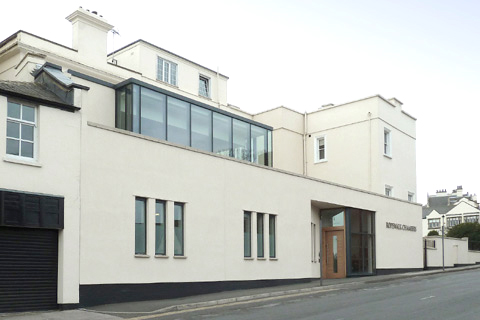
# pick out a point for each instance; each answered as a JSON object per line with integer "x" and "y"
{"x": 34, "y": 92}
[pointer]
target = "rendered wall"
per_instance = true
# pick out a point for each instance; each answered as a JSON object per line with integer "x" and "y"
{"x": 119, "y": 166}
{"x": 55, "y": 172}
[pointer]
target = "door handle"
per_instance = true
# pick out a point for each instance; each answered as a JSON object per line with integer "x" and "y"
{"x": 326, "y": 253}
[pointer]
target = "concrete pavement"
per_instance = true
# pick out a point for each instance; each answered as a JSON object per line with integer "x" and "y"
{"x": 132, "y": 309}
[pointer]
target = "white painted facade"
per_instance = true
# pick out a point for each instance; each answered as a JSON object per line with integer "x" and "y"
{"x": 449, "y": 209}
{"x": 99, "y": 170}
{"x": 456, "y": 252}
{"x": 353, "y": 134}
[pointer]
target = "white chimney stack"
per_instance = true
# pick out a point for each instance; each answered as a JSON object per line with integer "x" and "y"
{"x": 90, "y": 32}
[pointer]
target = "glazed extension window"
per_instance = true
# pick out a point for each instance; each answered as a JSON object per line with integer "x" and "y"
{"x": 167, "y": 71}
{"x": 21, "y": 127}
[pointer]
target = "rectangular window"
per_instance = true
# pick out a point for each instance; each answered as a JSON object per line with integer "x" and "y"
{"x": 453, "y": 221}
{"x": 272, "y": 236}
{"x": 433, "y": 223}
{"x": 241, "y": 140}
{"x": 201, "y": 128}
{"x": 258, "y": 144}
{"x": 178, "y": 119}
{"x": 389, "y": 191}
{"x": 387, "y": 144}
{"x": 140, "y": 226}
{"x": 314, "y": 241}
{"x": 178, "y": 229}
{"x": 471, "y": 219}
{"x": 21, "y": 126}
{"x": 167, "y": 71}
{"x": 222, "y": 134}
{"x": 260, "y": 253}
{"x": 320, "y": 149}
{"x": 204, "y": 86}
{"x": 411, "y": 197}
{"x": 160, "y": 234}
{"x": 247, "y": 234}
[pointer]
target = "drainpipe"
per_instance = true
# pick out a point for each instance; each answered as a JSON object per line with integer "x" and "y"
{"x": 305, "y": 130}
{"x": 369, "y": 151}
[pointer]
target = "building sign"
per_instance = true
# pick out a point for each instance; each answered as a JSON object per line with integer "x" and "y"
{"x": 402, "y": 227}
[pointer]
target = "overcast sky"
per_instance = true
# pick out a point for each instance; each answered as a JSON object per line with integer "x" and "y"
{"x": 304, "y": 54}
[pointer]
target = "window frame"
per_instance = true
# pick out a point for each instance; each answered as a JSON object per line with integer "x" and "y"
{"x": 207, "y": 86}
{"x": 433, "y": 223}
{"x": 164, "y": 252}
{"x": 182, "y": 242}
{"x": 165, "y": 73}
{"x": 247, "y": 254}
{"x": 260, "y": 235}
{"x": 411, "y": 197}
{"x": 387, "y": 142}
{"x": 388, "y": 191}
{"x": 145, "y": 224}
{"x": 272, "y": 249}
{"x": 317, "y": 140}
{"x": 20, "y": 122}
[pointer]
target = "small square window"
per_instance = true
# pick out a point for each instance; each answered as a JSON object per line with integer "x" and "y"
{"x": 204, "y": 86}
{"x": 389, "y": 191}
{"x": 411, "y": 197}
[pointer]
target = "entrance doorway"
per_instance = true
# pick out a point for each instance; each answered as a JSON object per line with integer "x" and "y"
{"x": 334, "y": 264}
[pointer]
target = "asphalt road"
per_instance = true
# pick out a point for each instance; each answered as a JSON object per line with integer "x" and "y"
{"x": 446, "y": 296}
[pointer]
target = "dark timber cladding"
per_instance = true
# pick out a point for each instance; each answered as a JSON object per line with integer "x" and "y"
{"x": 28, "y": 269}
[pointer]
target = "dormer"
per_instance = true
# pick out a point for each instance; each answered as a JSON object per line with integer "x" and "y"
{"x": 173, "y": 72}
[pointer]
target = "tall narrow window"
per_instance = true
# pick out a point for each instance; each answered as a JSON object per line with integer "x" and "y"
{"x": 247, "y": 234}
{"x": 320, "y": 149}
{"x": 140, "y": 226}
{"x": 387, "y": 144}
{"x": 160, "y": 235}
{"x": 178, "y": 229}
{"x": 204, "y": 86}
{"x": 272, "y": 235}
{"x": 260, "y": 253}
{"x": 167, "y": 71}
{"x": 201, "y": 128}
{"x": 222, "y": 134}
{"x": 20, "y": 130}
{"x": 314, "y": 241}
{"x": 178, "y": 119}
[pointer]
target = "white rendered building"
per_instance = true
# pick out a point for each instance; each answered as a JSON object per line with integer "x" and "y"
{"x": 449, "y": 209}
{"x": 128, "y": 176}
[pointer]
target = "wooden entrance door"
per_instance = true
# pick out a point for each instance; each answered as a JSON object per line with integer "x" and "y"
{"x": 333, "y": 254}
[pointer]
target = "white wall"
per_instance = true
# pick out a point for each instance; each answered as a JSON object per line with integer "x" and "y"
{"x": 216, "y": 191}
{"x": 56, "y": 171}
{"x": 456, "y": 252}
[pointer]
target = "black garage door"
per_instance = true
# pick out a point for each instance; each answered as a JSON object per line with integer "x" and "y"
{"x": 28, "y": 269}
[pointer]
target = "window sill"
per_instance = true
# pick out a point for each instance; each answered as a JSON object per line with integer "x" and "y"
{"x": 273, "y": 259}
{"x": 25, "y": 161}
{"x": 142, "y": 256}
{"x": 179, "y": 257}
{"x": 248, "y": 258}
{"x": 389, "y": 156}
{"x": 168, "y": 84}
{"x": 204, "y": 97}
{"x": 161, "y": 256}
{"x": 321, "y": 161}
{"x": 261, "y": 259}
